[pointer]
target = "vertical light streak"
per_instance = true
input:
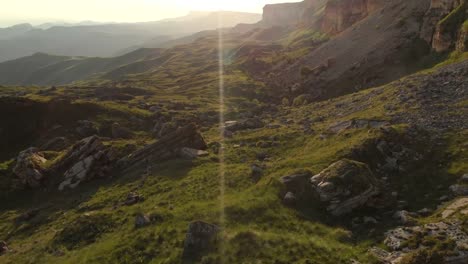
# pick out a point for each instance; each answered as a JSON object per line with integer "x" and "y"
{"x": 222, "y": 168}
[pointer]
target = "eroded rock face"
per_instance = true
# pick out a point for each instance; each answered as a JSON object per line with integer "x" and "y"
{"x": 341, "y": 14}
{"x": 344, "y": 186}
{"x": 30, "y": 167}
{"x": 442, "y": 23}
{"x": 200, "y": 237}
{"x": 86, "y": 160}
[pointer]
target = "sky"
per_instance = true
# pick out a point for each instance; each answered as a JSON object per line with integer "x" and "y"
{"x": 40, "y": 11}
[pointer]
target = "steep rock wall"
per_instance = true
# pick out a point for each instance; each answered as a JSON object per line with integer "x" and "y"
{"x": 442, "y": 23}
{"x": 341, "y": 14}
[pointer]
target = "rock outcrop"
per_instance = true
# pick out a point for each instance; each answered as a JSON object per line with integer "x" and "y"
{"x": 30, "y": 167}
{"x": 87, "y": 159}
{"x": 167, "y": 147}
{"x": 462, "y": 42}
{"x": 200, "y": 237}
{"x": 289, "y": 14}
{"x": 398, "y": 240}
{"x": 344, "y": 186}
{"x": 442, "y": 23}
{"x": 341, "y": 14}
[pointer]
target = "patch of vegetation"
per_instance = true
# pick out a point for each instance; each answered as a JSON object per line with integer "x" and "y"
{"x": 84, "y": 230}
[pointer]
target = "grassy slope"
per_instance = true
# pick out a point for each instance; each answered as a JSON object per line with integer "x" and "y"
{"x": 257, "y": 225}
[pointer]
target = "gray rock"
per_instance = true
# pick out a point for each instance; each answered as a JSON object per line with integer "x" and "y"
{"x": 142, "y": 220}
{"x": 189, "y": 153}
{"x": 298, "y": 184}
{"x": 29, "y": 167}
{"x": 289, "y": 199}
{"x": 459, "y": 190}
{"x": 86, "y": 160}
{"x": 200, "y": 237}
{"x": 256, "y": 172}
{"x": 404, "y": 217}
{"x": 344, "y": 186}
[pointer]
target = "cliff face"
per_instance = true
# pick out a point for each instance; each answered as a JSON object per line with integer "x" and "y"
{"x": 462, "y": 42}
{"x": 442, "y": 23}
{"x": 288, "y": 14}
{"x": 282, "y": 14}
{"x": 341, "y": 14}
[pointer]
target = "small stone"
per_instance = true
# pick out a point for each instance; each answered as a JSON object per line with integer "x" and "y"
{"x": 142, "y": 220}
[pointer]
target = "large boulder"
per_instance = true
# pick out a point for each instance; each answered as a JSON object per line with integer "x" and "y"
{"x": 87, "y": 159}
{"x": 30, "y": 167}
{"x": 200, "y": 237}
{"x": 344, "y": 186}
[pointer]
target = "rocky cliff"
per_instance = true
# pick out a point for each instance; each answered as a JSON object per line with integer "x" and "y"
{"x": 341, "y": 14}
{"x": 442, "y": 23}
{"x": 288, "y": 14}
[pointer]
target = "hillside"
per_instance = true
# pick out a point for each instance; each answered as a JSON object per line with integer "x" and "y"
{"x": 331, "y": 136}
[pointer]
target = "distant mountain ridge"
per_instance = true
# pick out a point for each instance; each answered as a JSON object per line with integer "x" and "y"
{"x": 106, "y": 40}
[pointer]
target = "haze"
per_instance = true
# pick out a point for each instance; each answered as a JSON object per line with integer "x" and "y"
{"x": 36, "y": 12}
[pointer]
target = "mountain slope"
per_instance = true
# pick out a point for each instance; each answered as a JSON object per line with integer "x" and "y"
{"x": 43, "y": 69}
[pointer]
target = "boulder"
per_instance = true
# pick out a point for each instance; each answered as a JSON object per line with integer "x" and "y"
{"x": 200, "y": 237}
{"x": 297, "y": 184}
{"x": 119, "y": 131}
{"x": 30, "y": 167}
{"x": 256, "y": 172}
{"x": 404, "y": 217}
{"x": 344, "y": 186}
{"x": 189, "y": 153}
{"x": 87, "y": 159}
{"x": 290, "y": 199}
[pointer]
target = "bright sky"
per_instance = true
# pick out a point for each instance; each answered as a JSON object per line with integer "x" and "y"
{"x": 40, "y": 11}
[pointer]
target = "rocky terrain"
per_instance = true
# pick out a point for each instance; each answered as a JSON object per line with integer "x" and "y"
{"x": 337, "y": 141}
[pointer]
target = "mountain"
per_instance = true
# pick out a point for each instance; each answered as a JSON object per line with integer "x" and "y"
{"x": 334, "y": 137}
{"x": 107, "y": 40}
